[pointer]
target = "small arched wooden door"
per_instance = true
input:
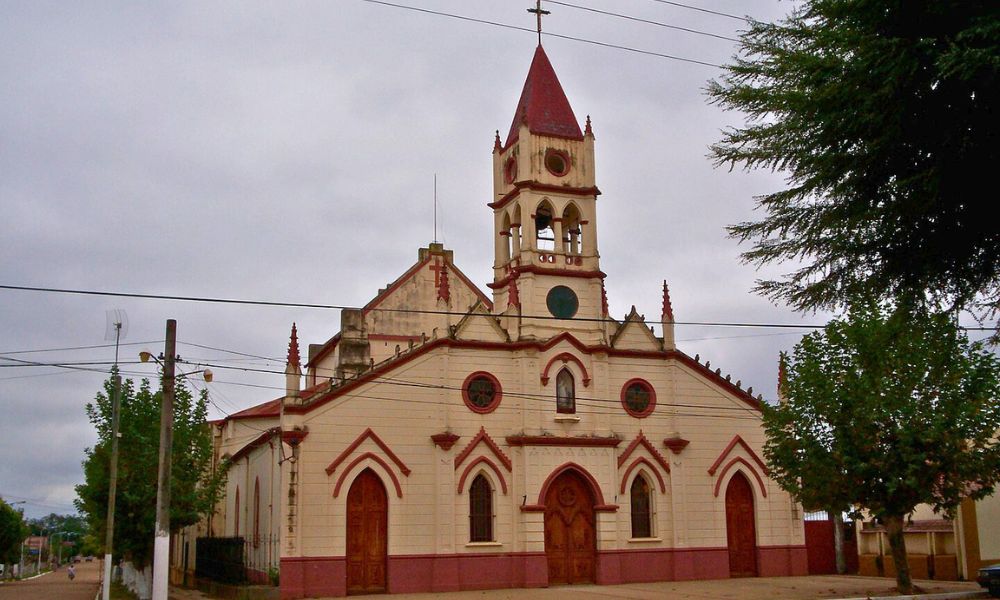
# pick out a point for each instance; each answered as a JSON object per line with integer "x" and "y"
{"x": 367, "y": 534}
{"x": 570, "y": 540}
{"x": 741, "y": 532}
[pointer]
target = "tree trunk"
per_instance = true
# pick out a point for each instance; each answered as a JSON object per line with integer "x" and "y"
{"x": 838, "y": 540}
{"x": 894, "y": 528}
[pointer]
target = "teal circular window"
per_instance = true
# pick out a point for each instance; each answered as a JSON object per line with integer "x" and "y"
{"x": 562, "y": 302}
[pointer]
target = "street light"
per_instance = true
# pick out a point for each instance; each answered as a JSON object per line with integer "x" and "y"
{"x": 161, "y": 541}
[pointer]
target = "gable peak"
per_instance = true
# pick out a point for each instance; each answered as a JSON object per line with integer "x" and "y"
{"x": 543, "y": 106}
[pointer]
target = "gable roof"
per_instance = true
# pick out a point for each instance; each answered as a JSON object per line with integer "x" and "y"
{"x": 271, "y": 408}
{"x": 543, "y": 106}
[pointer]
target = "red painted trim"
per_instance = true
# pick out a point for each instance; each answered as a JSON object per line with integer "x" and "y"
{"x": 552, "y": 440}
{"x": 484, "y": 437}
{"x": 324, "y": 351}
{"x": 645, "y": 443}
{"x": 395, "y": 284}
{"x": 379, "y": 370}
{"x": 567, "y": 163}
{"x": 412, "y": 271}
{"x": 636, "y": 463}
{"x": 253, "y": 444}
{"x": 368, "y": 433}
{"x": 445, "y": 440}
{"x": 553, "y": 271}
{"x": 354, "y": 463}
{"x": 294, "y": 437}
{"x": 676, "y": 444}
{"x": 490, "y": 464}
{"x": 725, "y": 469}
{"x": 652, "y": 398}
{"x": 732, "y": 444}
{"x": 565, "y": 357}
{"x": 264, "y": 410}
{"x": 542, "y": 187}
{"x": 595, "y": 488}
{"x": 498, "y": 393}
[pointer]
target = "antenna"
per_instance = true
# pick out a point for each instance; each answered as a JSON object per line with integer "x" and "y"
{"x": 116, "y": 327}
{"x": 435, "y": 208}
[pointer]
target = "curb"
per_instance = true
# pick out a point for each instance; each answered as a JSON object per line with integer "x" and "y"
{"x": 940, "y": 596}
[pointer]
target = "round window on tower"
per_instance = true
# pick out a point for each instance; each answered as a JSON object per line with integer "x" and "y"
{"x": 557, "y": 162}
{"x": 510, "y": 170}
{"x": 638, "y": 398}
{"x": 562, "y": 302}
{"x": 481, "y": 392}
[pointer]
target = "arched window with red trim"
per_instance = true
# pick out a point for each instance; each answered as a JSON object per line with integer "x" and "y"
{"x": 642, "y": 521}
{"x": 480, "y": 510}
{"x": 565, "y": 392}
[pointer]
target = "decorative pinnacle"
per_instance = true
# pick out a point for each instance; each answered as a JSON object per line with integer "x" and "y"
{"x": 668, "y": 309}
{"x": 293, "y": 348}
{"x": 587, "y": 130}
{"x": 496, "y": 142}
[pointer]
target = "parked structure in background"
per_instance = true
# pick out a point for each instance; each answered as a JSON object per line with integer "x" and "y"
{"x": 444, "y": 439}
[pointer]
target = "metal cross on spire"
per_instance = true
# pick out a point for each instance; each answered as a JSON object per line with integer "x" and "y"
{"x": 538, "y": 14}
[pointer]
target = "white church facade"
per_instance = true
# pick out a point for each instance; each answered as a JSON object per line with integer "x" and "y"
{"x": 449, "y": 439}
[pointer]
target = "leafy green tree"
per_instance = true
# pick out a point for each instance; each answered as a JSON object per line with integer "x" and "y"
{"x": 67, "y": 530}
{"x": 885, "y": 410}
{"x": 12, "y": 533}
{"x": 879, "y": 113}
{"x": 194, "y": 489}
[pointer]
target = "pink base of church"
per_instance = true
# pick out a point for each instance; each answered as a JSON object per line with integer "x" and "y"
{"x": 310, "y": 577}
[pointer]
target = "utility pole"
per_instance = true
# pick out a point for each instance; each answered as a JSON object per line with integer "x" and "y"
{"x": 161, "y": 543}
{"x": 109, "y": 535}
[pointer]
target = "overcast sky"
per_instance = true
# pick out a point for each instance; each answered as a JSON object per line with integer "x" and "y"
{"x": 286, "y": 151}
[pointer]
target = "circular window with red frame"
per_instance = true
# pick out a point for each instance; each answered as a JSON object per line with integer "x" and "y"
{"x": 510, "y": 170}
{"x": 557, "y": 162}
{"x": 481, "y": 392}
{"x": 638, "y": 398}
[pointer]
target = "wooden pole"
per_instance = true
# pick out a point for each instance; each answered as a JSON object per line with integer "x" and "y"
{"x": 161, "y": 543}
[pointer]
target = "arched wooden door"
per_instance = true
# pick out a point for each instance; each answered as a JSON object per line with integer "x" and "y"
{"x": 741, "y": 531}
{"x": 367, "y": 534}
{"x": 570, "y": 540}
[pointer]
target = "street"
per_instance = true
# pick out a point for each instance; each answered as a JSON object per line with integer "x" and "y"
{"x": 56, "y": 585}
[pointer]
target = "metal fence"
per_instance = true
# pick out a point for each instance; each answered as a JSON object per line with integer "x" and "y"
{"x": 238, "y": 560}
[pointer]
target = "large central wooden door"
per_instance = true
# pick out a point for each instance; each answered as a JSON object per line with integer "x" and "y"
{"x": 740, "y": 528}
{"x": 367, "y": 534}
{"x": 570, "y": 542}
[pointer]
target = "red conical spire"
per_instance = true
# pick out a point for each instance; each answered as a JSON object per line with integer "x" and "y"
{"x": 543, "y": 105}
{"x": 668, "y": 309}
{"x": 293, "y": 348}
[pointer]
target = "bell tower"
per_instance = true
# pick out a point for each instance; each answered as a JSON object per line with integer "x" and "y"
{"x": 546, "y": 261}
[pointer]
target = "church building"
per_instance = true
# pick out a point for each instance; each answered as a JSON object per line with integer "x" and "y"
{"x": 450, "y": 439}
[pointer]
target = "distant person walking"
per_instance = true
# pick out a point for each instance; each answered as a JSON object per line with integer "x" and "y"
{"x": 72, "y": 572}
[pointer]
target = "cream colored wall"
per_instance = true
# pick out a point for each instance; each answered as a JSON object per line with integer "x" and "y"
{"x": 988, "y": 525}
{"x": 432, "y": 518}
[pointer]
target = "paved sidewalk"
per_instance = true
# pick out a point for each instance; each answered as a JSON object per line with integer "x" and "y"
{"x": 56, "y": 585}
{"x": 760, "y": 588}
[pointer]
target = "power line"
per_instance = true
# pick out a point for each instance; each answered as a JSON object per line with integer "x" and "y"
{"x": 207, "y": 299}
{"x": 641, "y": 20}
{"x": 545, "y": 33}
{"x": 76, "y": 348}
{"x": 698, "y": 8}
